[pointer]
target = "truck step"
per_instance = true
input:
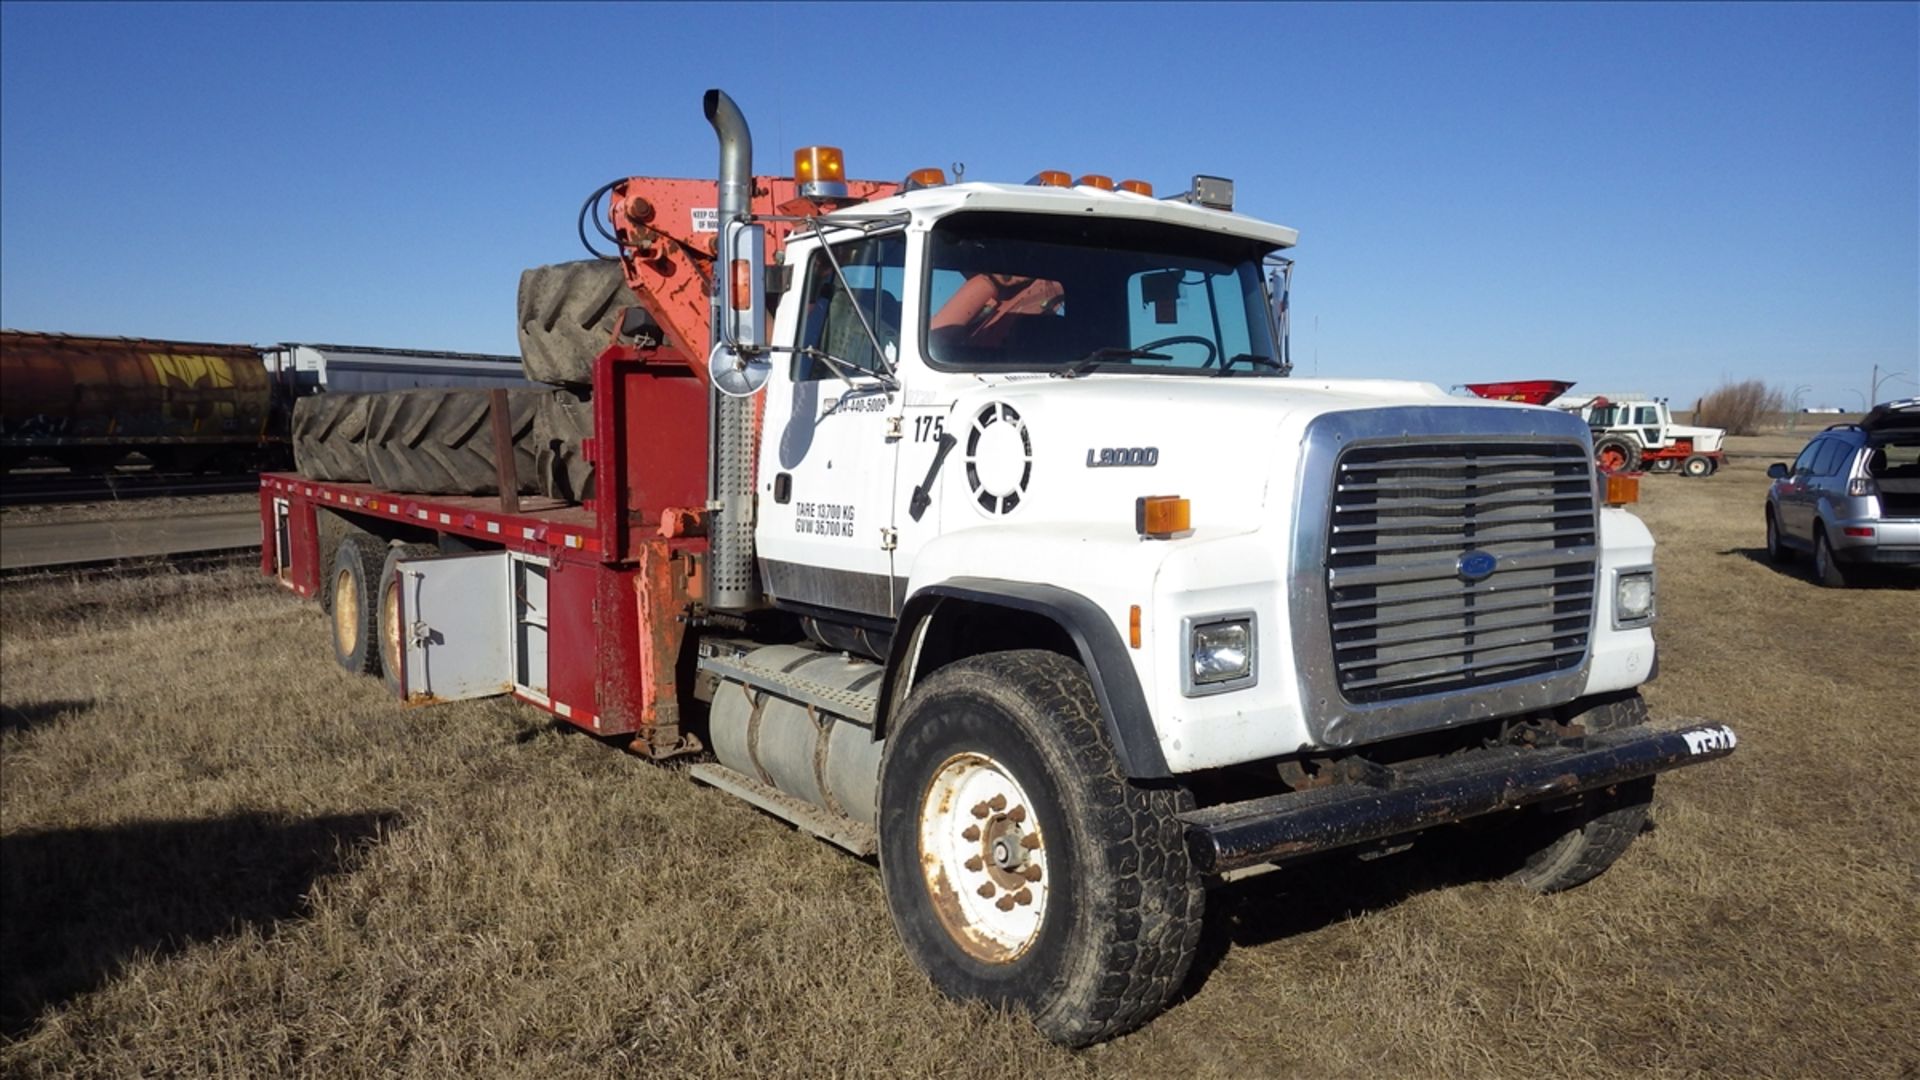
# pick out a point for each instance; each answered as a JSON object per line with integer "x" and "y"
{"x": 839, "y": 831}
{"x": 848, "y": 704}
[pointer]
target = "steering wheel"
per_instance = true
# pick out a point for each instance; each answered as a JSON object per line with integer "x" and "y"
{"x": 1185, "y": 339}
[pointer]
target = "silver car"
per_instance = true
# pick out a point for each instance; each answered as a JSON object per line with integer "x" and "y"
{"x": 1852, "y": 497}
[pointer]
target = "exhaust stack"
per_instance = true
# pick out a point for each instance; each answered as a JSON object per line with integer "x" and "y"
{"x": 732, "y": 583}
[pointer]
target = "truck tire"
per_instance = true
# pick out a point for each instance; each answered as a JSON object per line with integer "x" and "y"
{"x": 329, "y": 437}
{"x": 1827, "y": 571}
{"x": 1021, "y": 867}
{"x": 1567, "y": 842}
{"x": 392, "y": 630}
{"x": 440, "y": 442}
{"x": 355, "y": 607}
{"x": 1697, "y": 466}
{"x": 568, "y": 315}
{"x": 1777, "y": 550}
{"x": 1615, "y": 454}
{"x": 560, "y": 430}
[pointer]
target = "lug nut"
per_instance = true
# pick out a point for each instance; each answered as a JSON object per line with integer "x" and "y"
{"x": 1005, "y": 903}
{"x": 998, "y": 802}
{"x": 975, "y": 864}
{"x": 1032, "y": 872}
{"x": 1024, "y": 896}
{"x": 1031, "y": 841}
{"x": 1017, "y": 815}
{"x": 986, "y": 889}
{"x": 971, "y": 834}
{"x": 981, "y": 810}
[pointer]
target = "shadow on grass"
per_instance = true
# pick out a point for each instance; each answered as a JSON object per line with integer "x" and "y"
{"x": 1858, "y": 577}
{"x": 77, "y": 905}
{"x": 24, "y": 717}
{"x": 1315, "y": 893}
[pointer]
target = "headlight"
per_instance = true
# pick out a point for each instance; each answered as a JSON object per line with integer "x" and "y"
{"x": 1633, "y": 597}
{"x": 1219, "y": 652}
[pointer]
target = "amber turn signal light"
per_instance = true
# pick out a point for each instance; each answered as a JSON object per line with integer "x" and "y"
{"x": 1622, "y": 490}
{"x": 1095, "y": 180}
{"x": 924, "y": 178}
{"x": 1162, "y": 517}
{"x": 1138, "y": 187}
{"x": 1051, "y": 178}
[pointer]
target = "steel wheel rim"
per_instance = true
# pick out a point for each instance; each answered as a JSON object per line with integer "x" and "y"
{"x": 390, "y": 626}
{"x": 983, "y": 858}
{"x": 346, "y": 611}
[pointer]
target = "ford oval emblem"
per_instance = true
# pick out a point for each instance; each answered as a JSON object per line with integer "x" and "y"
{"x": 1476, "y": 565}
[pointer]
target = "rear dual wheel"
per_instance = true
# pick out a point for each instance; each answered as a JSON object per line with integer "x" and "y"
{"x": 393, "y": 631}
{"x": 354, "y": 604}
{"x": 1021, "y": 866}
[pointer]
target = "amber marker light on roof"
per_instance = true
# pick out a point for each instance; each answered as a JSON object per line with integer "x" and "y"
{"x": 1051, "y": 178}
{"x": 1138, "y": 187}
{"x": 1162, "y": 517}
{"x": 1095, "y": 180}
{"x": 919, "y": 179}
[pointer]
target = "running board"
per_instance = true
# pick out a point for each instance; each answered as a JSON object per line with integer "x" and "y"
{"x": 843, "y": 832}
{"x": 847, "y": 704}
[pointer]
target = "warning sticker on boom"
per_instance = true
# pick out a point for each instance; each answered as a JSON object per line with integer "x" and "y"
{"x": 706, "y": 219}
{"x": 823, "y": 519}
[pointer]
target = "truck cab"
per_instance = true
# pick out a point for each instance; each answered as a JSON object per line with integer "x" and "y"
{"x": 983, "y": 395}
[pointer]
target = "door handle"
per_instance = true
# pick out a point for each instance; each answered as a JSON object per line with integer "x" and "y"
{"x": 782, "y": 487}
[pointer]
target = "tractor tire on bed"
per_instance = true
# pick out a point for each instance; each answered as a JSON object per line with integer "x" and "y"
{"x": 568, "y": 315}
{"x": 440, "y": 442}
{"x": 329, "y": 437}
{"x": 560, "y": 429}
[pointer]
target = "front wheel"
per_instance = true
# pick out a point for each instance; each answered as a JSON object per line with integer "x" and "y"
{"x": 1021, "y": 867}
{"x": 1777, "y": 550}
{"x": 1697, "y": 466}
{"x": 1568, "y": 842}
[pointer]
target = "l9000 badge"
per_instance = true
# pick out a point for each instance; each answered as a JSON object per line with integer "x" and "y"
{"x": 1119, "y": 457}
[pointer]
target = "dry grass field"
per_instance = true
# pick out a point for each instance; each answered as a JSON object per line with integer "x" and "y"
{"x": 222, "y": 856}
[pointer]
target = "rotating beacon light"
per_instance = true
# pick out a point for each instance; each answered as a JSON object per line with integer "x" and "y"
{"x": 821, "y": 172}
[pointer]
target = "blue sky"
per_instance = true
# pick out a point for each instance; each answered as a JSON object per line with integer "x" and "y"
{"x": 1638, "y": 197}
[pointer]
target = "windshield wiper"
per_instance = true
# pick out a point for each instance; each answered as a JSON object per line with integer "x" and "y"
{"x": 1102, "y": 355}
{"x": 1249, "y": 358}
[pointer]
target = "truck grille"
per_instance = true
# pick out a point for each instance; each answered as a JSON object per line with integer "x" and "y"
{"x": 1412, "y": 523}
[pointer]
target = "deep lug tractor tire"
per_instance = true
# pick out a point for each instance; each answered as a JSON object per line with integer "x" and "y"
{"x": 1662, "y": 465}
{"x": 355, "y": 615}
{"x": 568, "y": 315}
{"x": 1021, "y": 867}
{"x": 560, "y": 428}
{"x": 330, "y": 437}
{"x": 392, "y": 628}
{"x": 1569, "y": 842}
{"x": 1827, "y": 570}
{"x": 1614, "y": 454}
{"x": 1697, "y": 466}
{"x": 440, "y": 442}
{"x": 1777, "y": 550}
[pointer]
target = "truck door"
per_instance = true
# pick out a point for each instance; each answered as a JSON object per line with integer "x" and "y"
{"x": 828, "y": 454}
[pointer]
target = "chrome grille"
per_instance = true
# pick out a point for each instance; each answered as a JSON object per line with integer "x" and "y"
{"x": 1404, "y": 619}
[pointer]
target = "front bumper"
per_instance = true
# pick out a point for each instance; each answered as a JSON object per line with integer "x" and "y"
{"x": 1280, "y": 827}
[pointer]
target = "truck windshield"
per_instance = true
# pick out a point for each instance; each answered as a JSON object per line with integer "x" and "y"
{"x": 1033, "y": 292}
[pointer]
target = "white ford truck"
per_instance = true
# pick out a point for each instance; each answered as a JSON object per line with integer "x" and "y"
{"x": 1024, "y": 564}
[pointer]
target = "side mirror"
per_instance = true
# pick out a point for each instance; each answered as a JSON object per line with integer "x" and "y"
{"x": 1777, "y": 471}
{"x": 738, "y": 363}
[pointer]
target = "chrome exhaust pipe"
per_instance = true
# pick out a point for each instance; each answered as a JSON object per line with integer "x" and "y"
{"x": 732, "y": 579}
